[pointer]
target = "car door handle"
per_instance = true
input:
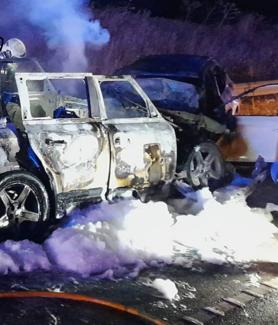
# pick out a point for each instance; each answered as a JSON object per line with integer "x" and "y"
{"x": 51, "y": 142}
{"x": 117, "y": 141}
{"x": 121, "y": 140}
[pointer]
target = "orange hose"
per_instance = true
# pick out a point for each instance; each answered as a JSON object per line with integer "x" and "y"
{"x": 82, "y": 298}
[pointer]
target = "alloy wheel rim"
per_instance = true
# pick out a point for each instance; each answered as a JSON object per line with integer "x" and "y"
{"x": 203, "y": 166}
{"x": 19, "y": 203}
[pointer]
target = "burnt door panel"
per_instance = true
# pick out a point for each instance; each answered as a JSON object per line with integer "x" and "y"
{"x": 143, "y": 153}
{"x": 72, "y": 146}
{"x": 143, "y": 144}
{"x": 71, "y": 152}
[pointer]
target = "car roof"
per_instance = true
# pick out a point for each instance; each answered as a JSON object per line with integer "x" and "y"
{"x": 178, "y": 66}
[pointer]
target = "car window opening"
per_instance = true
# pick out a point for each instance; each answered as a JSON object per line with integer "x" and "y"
{"x": 58, "y": 98}
{"x": 122, "y": 100}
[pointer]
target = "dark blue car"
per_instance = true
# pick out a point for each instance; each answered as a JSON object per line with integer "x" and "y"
{"x": 194, "y": 93}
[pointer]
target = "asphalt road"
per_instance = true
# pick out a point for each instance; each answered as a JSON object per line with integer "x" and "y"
{"x": 197, "y": 289}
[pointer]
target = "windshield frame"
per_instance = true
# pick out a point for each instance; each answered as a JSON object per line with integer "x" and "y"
{"x": 23, "y": 78}
{"x": 153, "y": 112}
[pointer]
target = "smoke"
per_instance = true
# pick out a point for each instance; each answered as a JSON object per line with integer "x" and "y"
{"x": 65, "y": 25}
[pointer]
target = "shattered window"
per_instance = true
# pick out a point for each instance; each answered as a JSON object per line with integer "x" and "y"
{"x": 59, "y": 98}
{"x": 171, "y": 94}
{"x": 122, "y": 100}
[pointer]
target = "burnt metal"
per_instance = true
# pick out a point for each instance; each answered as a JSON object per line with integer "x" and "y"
{"x": 79, "y": 196}
{"x": 81, "y": 157}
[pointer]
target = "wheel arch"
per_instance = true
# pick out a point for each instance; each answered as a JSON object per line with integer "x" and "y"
{"x": 10, "y": 167}
{"x": 28, "y": 161}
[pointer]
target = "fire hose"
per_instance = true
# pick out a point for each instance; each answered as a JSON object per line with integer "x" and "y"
{"x": 81, "y": 298}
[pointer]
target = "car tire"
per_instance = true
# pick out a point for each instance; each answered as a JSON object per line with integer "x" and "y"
{"x": 204, "y": 162}
{"x": 24, "y": 206}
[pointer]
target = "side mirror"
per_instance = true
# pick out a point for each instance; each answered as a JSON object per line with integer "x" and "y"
{"x": 14, "y": 47}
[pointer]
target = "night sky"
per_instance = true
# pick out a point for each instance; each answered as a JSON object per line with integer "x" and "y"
{"x": 171, "y": 8}
{"x": 267, "y": 7}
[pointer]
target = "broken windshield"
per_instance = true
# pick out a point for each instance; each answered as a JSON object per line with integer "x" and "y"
{"x": 171, "y": 94}
{"x": 122, "y": 100}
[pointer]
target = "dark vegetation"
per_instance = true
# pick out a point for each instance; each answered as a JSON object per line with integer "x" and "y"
{"x": 246, "y": 44}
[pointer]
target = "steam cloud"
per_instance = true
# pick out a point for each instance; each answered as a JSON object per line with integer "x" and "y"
{"x": 66, "y": 25}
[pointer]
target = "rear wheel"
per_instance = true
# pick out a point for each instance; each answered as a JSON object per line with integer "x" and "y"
{"x": 204, "y": 162}
{"x": 24, "y": 206}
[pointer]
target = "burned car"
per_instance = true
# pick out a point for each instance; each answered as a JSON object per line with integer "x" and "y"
{"x": 68, "y": 138}
{"x": 191, "y": 92}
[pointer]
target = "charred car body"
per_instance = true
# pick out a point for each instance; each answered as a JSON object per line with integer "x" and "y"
{"x": 190, "y": 92}
{"x": 72, "y": 137}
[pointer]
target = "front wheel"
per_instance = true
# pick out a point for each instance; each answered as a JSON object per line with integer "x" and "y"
{"x": 24, "y": 205}
{"x": 204, "y": 162}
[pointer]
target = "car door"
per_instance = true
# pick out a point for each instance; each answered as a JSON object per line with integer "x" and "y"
{"x": 60, "y": 117}
{"x": 143, "y": 144}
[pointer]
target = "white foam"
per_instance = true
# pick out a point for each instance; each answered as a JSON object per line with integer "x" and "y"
{"x": 120, "y": 239}
{"x": 166, "y": 287}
